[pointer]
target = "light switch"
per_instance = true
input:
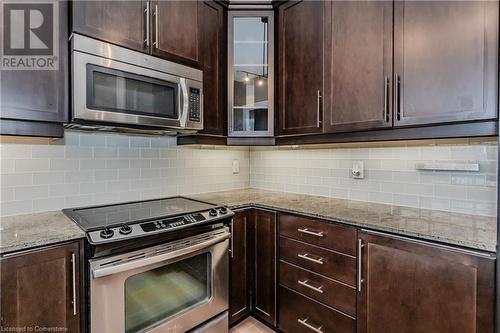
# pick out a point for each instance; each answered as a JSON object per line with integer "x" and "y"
{"x": 236, "y": 166}
{"x": 358, "y": 170}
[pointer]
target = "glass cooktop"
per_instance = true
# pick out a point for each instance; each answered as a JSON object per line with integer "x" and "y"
{"x": 92, "y": 218}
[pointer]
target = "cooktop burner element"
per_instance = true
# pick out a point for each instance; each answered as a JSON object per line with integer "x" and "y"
{"x": 109, "y": 223}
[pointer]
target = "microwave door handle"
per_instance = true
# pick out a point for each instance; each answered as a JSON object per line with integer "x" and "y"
{"x": 106, "y": 271}
{"x": 183, "y": 102}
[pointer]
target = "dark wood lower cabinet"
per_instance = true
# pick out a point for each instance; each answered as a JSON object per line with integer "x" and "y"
{"x": 414, "y": 287}
{"x": 253, "y": 266}
{"x": 303, "y": 314}
{"x": 264, "y": 293}
{"x": 240, "y": 280}
{"x": 38, "y": 289}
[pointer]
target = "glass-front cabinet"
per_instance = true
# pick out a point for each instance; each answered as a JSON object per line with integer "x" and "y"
{"x": 251, "y": 74}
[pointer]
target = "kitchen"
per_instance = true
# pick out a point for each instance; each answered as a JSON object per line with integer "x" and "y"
{"x": 249, "y": 166}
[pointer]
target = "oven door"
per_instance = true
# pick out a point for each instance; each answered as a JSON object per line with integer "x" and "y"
{"x": 168, "y": 288}
{"x": 108, "y": 92}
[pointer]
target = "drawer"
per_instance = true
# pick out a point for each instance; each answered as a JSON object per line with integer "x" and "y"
{"x": 336, "y": 265}
{"x": 335, "y": 294}
{"x": 301, "y": 314}
{"x": 331, "y": 236}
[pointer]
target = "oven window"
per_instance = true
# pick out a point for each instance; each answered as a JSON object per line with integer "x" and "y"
{"x": 117, "y": 91}
{"x": 153, "y": 296}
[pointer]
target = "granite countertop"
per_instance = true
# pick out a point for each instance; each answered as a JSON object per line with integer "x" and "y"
{"x": 22, "y": 232}
{"x": 472, "y": 231}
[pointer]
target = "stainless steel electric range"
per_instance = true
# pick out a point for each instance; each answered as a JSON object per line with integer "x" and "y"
{"x": 156, "y": 266}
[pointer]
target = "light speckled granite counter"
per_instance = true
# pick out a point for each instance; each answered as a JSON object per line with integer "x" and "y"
{"x": 471, "y": 231}
{"x": 22, "y": 232}
{"x": 478, "y": 232}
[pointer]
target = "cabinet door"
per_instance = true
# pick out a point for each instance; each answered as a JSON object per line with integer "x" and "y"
{"x": 175, "y": 31}
{"x": 301, "y": 36}
{"x": 415, "y": 287}
{"x": 38, "y": 289}
{"x": 119, "y": 22}
{"x": 212, "y": 53}
{"x": 358, "y": 63}
{"x": 38, "y": 95}
{"x": 264, "y": 295}
{"x": 239, "y": 299}
{"x": 446, "y": 60}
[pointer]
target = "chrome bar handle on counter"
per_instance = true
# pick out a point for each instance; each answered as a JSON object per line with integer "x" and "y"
{"x": 73, "y": 267}
{"x": 360, "y": 262}
{"x": 157, "y": 26}
{"x": 318, "y": 107}
{"x": 232, "y": 239}
{"x": 309, "y": 232}
{"x": 306, "y": 256}
{"x": 397, "y": 104}
{"x": 307, "y": 285}
{"x": 386, "y": 97}
{"x": 309, "y": 326}
{"x": 147, "y": 41}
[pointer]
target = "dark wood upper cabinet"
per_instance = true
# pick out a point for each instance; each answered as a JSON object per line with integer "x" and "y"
{"x": 446, "y": 61}
{"x": 240, "y": 282}
{"x": 36, "y": 102}
{"x": 175, "y": 31}
{"x": 119, "y": 22}
{"x": 39, "y": 288}
{"x": 301, "y": 70}
{"x": 358, "y": 65}
{"x": 414, "y": 287}
{"x": 212, "y": 60}
{"x": 264, "y": 296}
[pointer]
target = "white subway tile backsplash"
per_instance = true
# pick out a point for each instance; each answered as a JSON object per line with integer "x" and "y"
{"x": 390, "y": 175}
{"x": 97, "y": 168}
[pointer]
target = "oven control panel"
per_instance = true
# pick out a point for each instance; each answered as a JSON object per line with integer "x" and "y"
{"x": 194, "y": 104}
{"x": 134, "y": 230}
{"x": 172, "y": 223}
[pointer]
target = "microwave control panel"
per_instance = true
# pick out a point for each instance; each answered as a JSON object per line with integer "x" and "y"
{"x": 194, "y": 104}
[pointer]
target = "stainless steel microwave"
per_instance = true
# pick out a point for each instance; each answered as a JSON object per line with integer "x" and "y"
{"x": 119, "y": 89}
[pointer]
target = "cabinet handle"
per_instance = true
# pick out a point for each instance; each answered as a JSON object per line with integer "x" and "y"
{"x": 146, "y": 11}
{"x": 360, "y": 261}
{"x": 309, "y": 232}
{"x": 306, "y": 256}
{"x": 306, "y": 284}
{"x": 386, "y": 97}
{"x": 318, "y": 107}
{"x": 231, "y": 249}
{"x": 397, "y": 87}
{"x": 73, "y": 268}
{"x": 157, "y": 26}
{"x": 309, "y": 326}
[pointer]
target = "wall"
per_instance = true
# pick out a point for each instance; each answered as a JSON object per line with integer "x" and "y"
{"x": 90, "y": 169}
{"x": 390, "y": 175}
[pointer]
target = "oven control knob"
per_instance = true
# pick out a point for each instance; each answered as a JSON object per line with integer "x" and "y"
{"x": 212, "y": 212}
{"x": 125, "y": 229}
{"x": 223, "y": 210}
{"x": 107, "y": 233}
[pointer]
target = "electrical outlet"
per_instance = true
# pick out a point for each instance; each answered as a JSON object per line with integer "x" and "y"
{"x": 358, "y": 170}
{"x": 236, "y": 166}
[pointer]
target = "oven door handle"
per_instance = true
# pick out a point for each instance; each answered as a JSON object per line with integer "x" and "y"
{"x": 130, "y": 265}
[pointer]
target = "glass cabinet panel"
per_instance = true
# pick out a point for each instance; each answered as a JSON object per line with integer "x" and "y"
{"x": 251, "y": 85}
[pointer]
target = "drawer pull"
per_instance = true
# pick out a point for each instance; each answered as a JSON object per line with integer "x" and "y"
{"x": 307, "y": 256}
{"x": 305, "y": 283}
{"x": 309, "y": 326}
{"x": 313, "y": 233}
